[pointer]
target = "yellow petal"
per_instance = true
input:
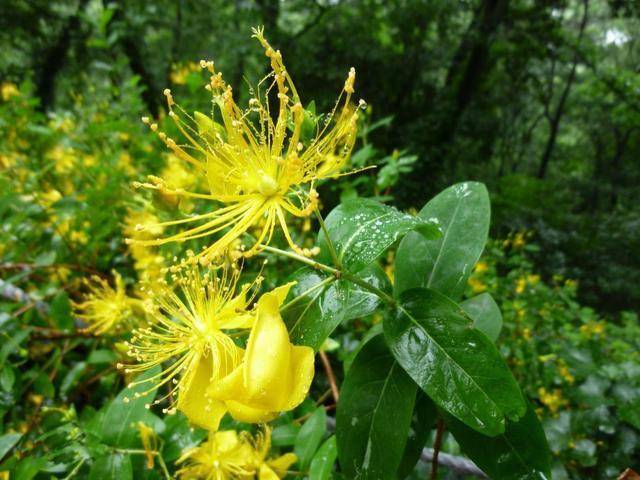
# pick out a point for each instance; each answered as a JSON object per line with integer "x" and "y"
{"x": 281, "y": 464}
{"x": 193, "y": 402}
{"x": 268, "y": 354}
{"x": 266, "y": 473}
{"x": 245, "y": 413}
{"x": 302, "y": 371}
{"x": 226, "y": 440}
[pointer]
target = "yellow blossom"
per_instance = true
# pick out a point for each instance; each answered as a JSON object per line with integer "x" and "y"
{"x": 190, "y": 332}
{"x": 521, "y": 284}
{"x": 592, "y": 328}
{"x": 179, "y": 73}
{"x": 477, "y": 285}
{"x": 257, "y": 168}
{"x": 63, "y": 157}
{"x": 551, "y": 399}
{"x": 106, "y": 308}
{"x": 8, "y": 90}
{"x": 274, "y": 375}
{"x": 526, "y": 334}
{"x": 481, "y": 267}
{"x": 79, "y": 237}
{"x": 563, "y": 371}
{"x": 518, "y": 240}
{"x": 149, "y": 440}
{"x": 230, "y": 455}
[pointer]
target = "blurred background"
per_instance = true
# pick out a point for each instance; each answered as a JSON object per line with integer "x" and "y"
{"x": 538, "y": 99}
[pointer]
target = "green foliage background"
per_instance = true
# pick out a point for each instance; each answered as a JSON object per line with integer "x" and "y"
{"x": 538, "y": 100}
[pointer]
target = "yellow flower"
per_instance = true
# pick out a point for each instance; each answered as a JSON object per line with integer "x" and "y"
{"x": 63, "y": 157}
{"x": 518, "y": 240}
{"x": 257, "y": 168}
{"x": 481, "y": 267}
{"x": 526, "y": 334}
{"x": 107, "y": 309}
{"x": 179, "y": 73}
{"x": 79, "y": 237}
{"x": 230, "y": 455}
{"x": 190, "y": 332}
{"x": 477, "y": 285}
{"x": 521, "y": 284}
{"x": 147, "y": 262}
{"x": 274, "y": 375}
{"x": 552, "y": 400}
{"x": 8, "y": 90}
{"x": 563, "y": 371}
{"x": 592, "y": 329}
{"x": 149, "y": 441}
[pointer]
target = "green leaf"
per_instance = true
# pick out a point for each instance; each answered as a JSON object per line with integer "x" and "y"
{"x": 115, "y": 465}
{"x": 463, "y": 212}
{"x": 72, "y": 377}
{"x": 61, "y": 311}
{"x": 362, "y": 229}
{"x": 319, "y": 312}
{"x": 179, "y": 436}
{"x": 7, "y": 378}
{"x": 630, "y": 412}
{"x": 310, "y": 436}
{"x": 322, "y": 463}
{"x": 28, "y": 468}
{"x": 285, "y": 435}
{"x": 116, "y": 422}
{"x": 485, "y": 313}
{"x": 43, "y": 385}
{"x": 455, "y": 364}
{"x": 98, "y": 357}
{"x": 424, "y": 419}
{"x": 521, "y": 452}
{"x": 7, "y": 442}
{"x": 374, "y": 413}
{"x": 12, "y": 344}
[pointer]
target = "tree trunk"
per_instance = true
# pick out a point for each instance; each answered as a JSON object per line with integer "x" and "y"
{"x": 55, "y": 58}
{"x": 554, "y": 123}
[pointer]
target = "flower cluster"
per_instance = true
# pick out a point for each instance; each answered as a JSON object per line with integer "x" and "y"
{"x": 229, "y": 454}
{"x": 259, "y": 169}
{"x": 205, "y": 338}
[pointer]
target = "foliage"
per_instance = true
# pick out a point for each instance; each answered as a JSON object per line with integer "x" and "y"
{"x": 419, "y": 340}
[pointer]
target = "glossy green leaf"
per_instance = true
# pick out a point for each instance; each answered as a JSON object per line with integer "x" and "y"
{"x": 312, "y": 319}
{"x": 322, "y": 463}
{"x": 362, "y": 229}
{"x": 485, "y": 313}
{"x": 521, "y": 452}
{"x": 310, "y": 436}
{"x": 116, "y": 422}
{"x": 61, "y": 311}
{"x": 7, "y": 442}
{"x": 71, "y": 379}
{"x": 109, "y": 467}
{"x": 463, "y": 212}
{"x": 458, "y": 366}
{"x": 179, "y": 436}
{"x": 423, "y": 421}
{"x": 284, "y": 435}
{"x": 374, "y": 413}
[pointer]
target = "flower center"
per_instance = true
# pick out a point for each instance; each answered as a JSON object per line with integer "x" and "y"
{"x": 267, "y": 185}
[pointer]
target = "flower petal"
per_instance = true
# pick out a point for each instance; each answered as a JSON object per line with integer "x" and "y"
{"x": 302, "y": 370}
{"x": 268, "y": 354}
{"x": 192, "y": 401}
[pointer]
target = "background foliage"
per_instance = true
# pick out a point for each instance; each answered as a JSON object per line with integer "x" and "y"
{"x": 538, "y": 100}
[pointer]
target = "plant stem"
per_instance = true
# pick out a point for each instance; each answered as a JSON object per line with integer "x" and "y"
{"x": 332, "y": 250}
{"x": 337, "y": 273}
{"x": 385, "y": 297}
{"x": 437, "y": 445}
{"x": 312, "y": 263}
{"x": 312, "y": 289}
{"x": 330, "y": 376}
